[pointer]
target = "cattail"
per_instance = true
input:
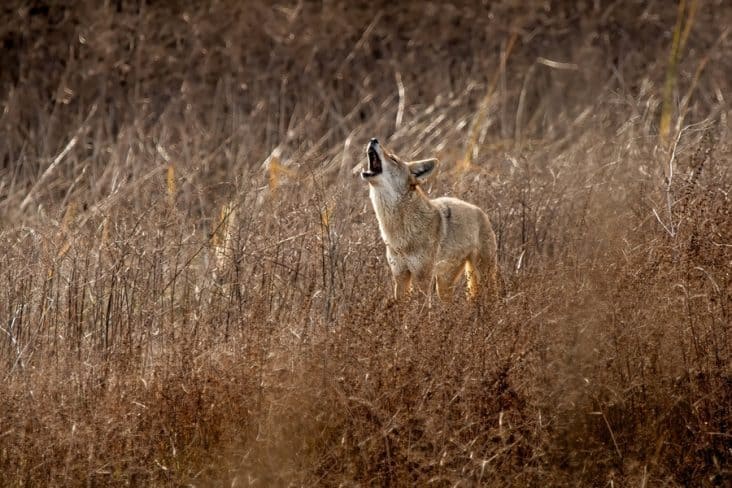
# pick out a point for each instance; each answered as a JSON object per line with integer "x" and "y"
{"x": 170, "y": 184}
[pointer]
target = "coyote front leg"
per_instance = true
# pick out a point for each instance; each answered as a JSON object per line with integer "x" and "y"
{"x": 400, "y": 274}
{"x": 402, "y": 285}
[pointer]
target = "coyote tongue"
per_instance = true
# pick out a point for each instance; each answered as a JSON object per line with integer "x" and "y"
{"x": 374, "y": 161}
{"x": 374, "y": 166}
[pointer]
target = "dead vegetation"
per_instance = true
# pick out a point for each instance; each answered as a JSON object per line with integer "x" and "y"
{"x": 194, "y": 290}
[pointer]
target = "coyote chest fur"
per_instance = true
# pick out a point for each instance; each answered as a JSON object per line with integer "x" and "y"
{"x": 428, "y": 241}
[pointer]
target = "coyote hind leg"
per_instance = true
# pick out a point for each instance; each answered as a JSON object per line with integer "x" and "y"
{"x": 481, "y": 277}
{"x": 472, "y": 279}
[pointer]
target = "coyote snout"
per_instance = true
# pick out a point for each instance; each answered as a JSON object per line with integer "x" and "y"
{"x": 428, "y": 240}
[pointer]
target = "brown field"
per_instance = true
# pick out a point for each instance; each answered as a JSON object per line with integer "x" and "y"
{"x": 193, "y": 290}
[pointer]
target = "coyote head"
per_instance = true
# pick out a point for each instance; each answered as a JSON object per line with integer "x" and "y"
{"x": 387, "y": 170}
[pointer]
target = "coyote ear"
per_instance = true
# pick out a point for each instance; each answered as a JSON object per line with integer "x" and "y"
{"x": 422, "y": 171}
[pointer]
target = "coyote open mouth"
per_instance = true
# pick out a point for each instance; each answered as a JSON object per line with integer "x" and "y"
{"x": 374, "y": 166}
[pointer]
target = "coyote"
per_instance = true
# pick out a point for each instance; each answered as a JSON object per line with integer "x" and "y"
{"x": 428, "y": 241}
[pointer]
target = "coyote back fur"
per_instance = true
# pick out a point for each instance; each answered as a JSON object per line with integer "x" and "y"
{"x": 428, "y": 240}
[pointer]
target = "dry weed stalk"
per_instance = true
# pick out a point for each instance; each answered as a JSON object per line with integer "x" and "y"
{"x": 166, "y": 319}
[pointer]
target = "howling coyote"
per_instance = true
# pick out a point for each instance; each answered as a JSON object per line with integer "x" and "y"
{"x": 428, "y": 240}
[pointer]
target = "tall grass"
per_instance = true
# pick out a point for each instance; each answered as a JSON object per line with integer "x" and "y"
{"x": 194, "y": 289}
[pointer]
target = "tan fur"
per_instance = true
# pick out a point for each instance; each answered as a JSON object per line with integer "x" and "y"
{"x": 428, "y": 240}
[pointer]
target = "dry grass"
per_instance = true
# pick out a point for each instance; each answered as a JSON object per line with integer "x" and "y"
{"x": 194, "y": 289}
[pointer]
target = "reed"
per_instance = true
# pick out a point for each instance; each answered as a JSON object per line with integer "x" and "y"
{"x": 192, "y": 285}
